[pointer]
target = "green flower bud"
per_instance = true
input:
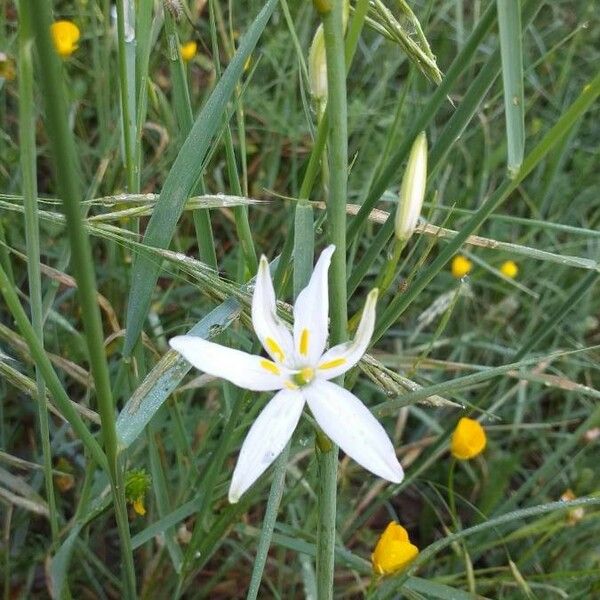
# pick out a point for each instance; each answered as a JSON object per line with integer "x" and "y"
{"x": 413, "y": 189}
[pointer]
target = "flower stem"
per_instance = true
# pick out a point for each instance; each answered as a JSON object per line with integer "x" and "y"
{"x": 66, "y": 163}
{"x": 337, "y": 155}
{"x": 127, "y": 94}
{"x": 32, "y": 236}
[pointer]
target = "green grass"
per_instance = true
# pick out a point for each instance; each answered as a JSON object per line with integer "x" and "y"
{"x": 136, "y": 193}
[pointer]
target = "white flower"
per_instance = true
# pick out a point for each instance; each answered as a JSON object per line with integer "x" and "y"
{"x": 300, "y": 368}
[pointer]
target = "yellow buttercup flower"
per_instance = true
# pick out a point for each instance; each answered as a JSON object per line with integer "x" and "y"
{"x": 188, "y": 50}
{"x": 460, "y": 266}
{"x": 65, "y": 35}
{"x": 509, "y": 268}
{"x": 468, "y": 439}
{"x": 393, "y": 550}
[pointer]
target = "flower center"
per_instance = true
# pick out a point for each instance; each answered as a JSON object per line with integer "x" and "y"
{"x": 303, "y": 376}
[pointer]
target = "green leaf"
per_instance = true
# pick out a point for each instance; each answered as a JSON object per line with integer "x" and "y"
{"x": 182, "y": 179}
{"x": 509, "y": 21}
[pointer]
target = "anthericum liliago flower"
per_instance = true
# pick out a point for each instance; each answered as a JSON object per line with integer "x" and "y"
{"x": 300, "y": 369}
{"x": 393, "y": 550}
{"x": 468, "y": 439}
{"x": 65, "y": 35}
{"x": 460, "y": 266}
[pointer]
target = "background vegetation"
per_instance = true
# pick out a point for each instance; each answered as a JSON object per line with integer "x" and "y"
{"x": 519, "y": 354}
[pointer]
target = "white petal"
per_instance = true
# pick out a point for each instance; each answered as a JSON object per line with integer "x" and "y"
{"x": 350, "y": 424}
{"x": 340, "y": 358}
{"x": 271, "y": 331}
{"x": 311, "y": 311}
{"x": 266, "y": 439}
{"x": 242, "y": 369}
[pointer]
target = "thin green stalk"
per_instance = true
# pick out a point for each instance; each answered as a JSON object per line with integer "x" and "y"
{"x": 65, "y": 157}
{"x": 240, "y": 213}
{"x": 314, "y": 161}
{"x": 509, "y": 22}
{"x": 32, "y": 236}
{"x": 127, "y": 88}
{"x": 303, "y": 260}
{"x": 391, "y": 266}
{"x": 337, "y": 151}
{"x": 185, "y": 116}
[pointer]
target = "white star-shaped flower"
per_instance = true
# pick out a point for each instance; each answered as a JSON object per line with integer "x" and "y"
{"x": 300, "y": 368}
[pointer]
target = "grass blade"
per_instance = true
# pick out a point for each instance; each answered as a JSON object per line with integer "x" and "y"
{"x": 509, "y": 22}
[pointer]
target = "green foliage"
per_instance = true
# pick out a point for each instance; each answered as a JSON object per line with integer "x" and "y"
{"x": 222, "y": 157}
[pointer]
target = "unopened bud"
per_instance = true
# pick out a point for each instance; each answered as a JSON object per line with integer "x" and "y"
{"x": 317, "y": 67}
{"x": 317, "y": 62}
{"x": 413, "y": 189}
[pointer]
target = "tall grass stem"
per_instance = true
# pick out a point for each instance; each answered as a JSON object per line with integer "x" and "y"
{"x": 67, "y": 177}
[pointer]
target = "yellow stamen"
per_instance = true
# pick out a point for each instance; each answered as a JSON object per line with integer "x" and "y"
{"x": 269, "y": 365}
{"x": 304, "y": 376}
{"x": 290, "y": 385}
{"x": 275, "y": 348}
{"x": 331, "y": 364}
{"x": 304, "y": 342}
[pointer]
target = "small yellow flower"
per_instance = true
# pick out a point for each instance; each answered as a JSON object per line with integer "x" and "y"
{"x": 509, "y": 268}
{"x": 138, "y": 506}
{"x": 460, "y": 266}
{"x": 188, "y": 50}
{"x": 393, "y": 550}
{"x": 137, "y": 483}
{"x": 65, "y": 35}
{"x": 576, "y": 514}
{"x": 468, "y": 439}
{"x": 66, "y": 481}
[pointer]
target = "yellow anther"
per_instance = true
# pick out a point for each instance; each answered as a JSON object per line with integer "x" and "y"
{"x": 331, "y": 364}
{"x": 274, "y": 348}
{"x": 304, "y": 376}
{"x": 290, "y": 385}
{"x": 304, "y": 342}
{"x": 269, "y": 365}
